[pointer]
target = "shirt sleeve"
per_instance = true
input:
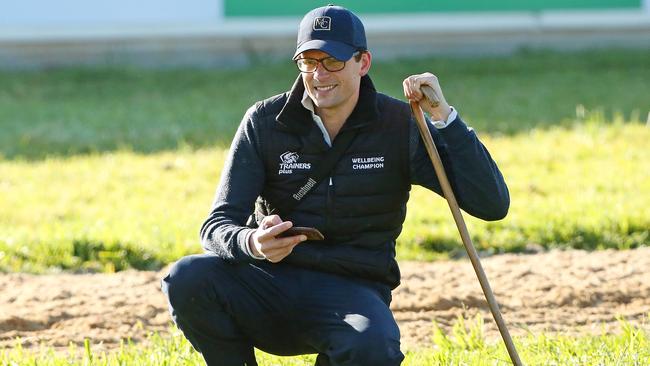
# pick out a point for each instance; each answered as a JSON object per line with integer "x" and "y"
{"x": 242, "y": 178}
{"x": 477, "y": 183}
{"x": 451, "y": 118}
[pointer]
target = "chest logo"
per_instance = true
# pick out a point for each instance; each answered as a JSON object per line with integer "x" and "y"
{"x": 368, "y": 163}
{"x": 289, "y": 163}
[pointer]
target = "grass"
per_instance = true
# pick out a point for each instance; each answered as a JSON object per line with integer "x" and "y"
{"x": 104, "y": 170}
{"x": 584, "y": 187}
{"x": 587, "y": 187}
{"x": 464, "y": 345}
{"x": 80, "y": 111}
{"x": 105, "y": 212}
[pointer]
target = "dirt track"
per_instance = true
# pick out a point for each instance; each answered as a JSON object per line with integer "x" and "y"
{"x": 558, "y": 291}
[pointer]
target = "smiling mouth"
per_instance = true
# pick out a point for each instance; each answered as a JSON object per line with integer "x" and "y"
{"x": 325, "y": 88}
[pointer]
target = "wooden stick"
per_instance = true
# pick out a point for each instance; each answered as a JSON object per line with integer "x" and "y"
{"x": 460, "y": 222}
{"x": 430, "y": 95}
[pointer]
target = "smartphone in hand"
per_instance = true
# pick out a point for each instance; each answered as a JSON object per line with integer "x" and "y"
{"x": 310, "y": 232}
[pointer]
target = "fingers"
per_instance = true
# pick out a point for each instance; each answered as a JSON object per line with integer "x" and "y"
{"x": 279, "y": 243}
{"x": 413, "y": 83}
{"x": 277, "y": 249}
{"x": 279, "y": 253}
{"x": 270, "y": 220}
{"x": 412, "y": 90}
{"x": 266, "y": 241}
{"x": 272, "y": 230}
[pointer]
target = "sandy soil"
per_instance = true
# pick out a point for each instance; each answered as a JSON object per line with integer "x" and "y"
{"x": 558, "y": 291}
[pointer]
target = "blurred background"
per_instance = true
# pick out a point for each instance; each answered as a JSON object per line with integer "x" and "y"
{"x": 115, "y": 118}
{"x": 38, "y": 33}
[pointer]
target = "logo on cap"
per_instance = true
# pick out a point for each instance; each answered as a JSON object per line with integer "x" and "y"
{"x": 322, "y": 23}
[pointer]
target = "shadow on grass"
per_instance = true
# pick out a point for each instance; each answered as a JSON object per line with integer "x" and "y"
{"x": 99, "y": 257}
{"x": 84, "y": 255}
{"x": 535, "y": 241}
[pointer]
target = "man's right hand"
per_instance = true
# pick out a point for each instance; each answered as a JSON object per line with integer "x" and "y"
{"x": 264, "y": 241}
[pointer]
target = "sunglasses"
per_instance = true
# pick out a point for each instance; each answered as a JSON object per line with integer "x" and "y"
{"x": 330, "y": 63}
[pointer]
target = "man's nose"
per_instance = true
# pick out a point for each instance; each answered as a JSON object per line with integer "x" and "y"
{"x": 320, "y": 70}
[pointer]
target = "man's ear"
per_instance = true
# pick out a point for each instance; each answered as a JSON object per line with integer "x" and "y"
{"x": 366, "y": 61}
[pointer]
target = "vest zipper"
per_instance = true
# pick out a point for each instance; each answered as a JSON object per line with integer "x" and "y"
{"x": 328, "y": 210}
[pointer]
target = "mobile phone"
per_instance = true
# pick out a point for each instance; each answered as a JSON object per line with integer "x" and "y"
{"x": 310, "y": 232}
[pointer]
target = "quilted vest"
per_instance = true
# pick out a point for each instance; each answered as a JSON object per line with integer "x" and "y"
{"x": 361, "y": 207}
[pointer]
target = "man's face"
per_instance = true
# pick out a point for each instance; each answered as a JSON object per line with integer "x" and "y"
{"x": 332, "y": 90}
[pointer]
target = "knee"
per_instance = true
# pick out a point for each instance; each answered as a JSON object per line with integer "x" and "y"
{"x": 187, "y": 280}
{"x": 378, "y": 349}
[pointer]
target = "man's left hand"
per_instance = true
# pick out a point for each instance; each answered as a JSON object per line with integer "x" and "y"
{"x": 412, "y": 85}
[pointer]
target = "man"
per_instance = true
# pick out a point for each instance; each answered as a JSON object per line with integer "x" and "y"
{"x": 289, "y": 295}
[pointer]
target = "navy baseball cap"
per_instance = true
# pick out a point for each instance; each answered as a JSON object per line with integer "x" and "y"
{"x": 332, "y": 29}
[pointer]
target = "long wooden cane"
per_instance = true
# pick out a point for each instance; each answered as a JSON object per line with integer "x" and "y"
{"x": 433, "y": 99}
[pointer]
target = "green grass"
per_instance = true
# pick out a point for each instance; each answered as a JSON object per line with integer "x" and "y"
{"x": 585, "y": 187}
{"x": 464, "y": 345}
{"x": 67, "y": 112}
{"x": 111, "y": 169}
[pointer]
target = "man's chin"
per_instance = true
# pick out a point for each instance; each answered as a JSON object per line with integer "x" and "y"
{"x": 323, "y": 104}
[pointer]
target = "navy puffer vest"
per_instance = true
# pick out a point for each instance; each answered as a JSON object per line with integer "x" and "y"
{"x": 360, "y": 210}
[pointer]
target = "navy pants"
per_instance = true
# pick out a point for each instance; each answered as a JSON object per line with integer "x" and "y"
{"x": 226, "y": 309}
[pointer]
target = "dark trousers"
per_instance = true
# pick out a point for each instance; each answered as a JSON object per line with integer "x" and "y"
{"x": 226, "y": 309}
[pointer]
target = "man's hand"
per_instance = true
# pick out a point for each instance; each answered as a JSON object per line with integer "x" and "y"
{"x": 264, "y": 241}
{"x": 412, "y": 85}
